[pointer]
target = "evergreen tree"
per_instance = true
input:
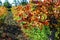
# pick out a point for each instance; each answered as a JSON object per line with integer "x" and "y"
{"x": 7, "y": 4}
{"x": 0, "y": 3}
{"x": 24, "y": 2}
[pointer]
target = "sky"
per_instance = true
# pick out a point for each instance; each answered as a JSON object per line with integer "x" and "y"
{"x": 10, "y": 1}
